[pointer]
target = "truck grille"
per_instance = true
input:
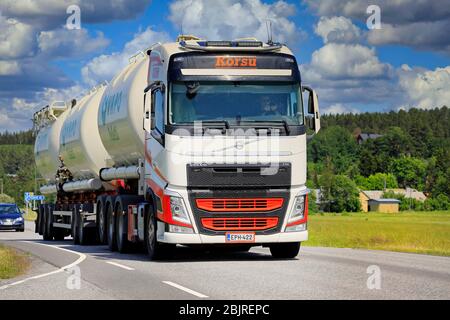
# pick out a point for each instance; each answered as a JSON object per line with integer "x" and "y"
{"x": 239, "y": 205}
{"x": 223, "y": 224}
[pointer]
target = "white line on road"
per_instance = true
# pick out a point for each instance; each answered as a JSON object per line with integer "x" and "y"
{"x": 195, "y": 293}
{"x": 81, "y": 258}
{"x": 120, "y": 265}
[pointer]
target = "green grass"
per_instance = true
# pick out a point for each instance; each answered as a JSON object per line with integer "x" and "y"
{"x": 416, "y": 232}
{"x": 12, "y": 263}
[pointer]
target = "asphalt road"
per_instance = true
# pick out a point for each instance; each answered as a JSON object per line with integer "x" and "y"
{"x": 317, "y": 273}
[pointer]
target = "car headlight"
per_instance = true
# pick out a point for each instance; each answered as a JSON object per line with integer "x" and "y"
{"x": 178, "y": 210}
{"x": 18, "y": 220}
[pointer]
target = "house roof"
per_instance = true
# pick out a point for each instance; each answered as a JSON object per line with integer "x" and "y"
{"x": 384, "y": 201}
{"x": 373, "y": 194}
{"x": 407, "y": 193}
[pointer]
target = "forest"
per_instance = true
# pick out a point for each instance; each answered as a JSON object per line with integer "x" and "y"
{"x": 412, "y": 151}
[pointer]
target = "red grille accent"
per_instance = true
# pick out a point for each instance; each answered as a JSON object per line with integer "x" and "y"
{"x": 240, "y": 223}
{"x": 239, "y": 205}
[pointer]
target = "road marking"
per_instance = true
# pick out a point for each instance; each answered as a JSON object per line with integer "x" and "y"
{"x": 120, "y": 265}
{"x": 81, "y": 258}
{"x": 195, "y": 293}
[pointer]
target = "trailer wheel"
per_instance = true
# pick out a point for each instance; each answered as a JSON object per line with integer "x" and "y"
{"x": 287, "y": 250}
{"x": 48, "y": 227}
{"x": 101, "y": 220}
{"x": 110, "y": 224}
{"x": 75, "y": 234}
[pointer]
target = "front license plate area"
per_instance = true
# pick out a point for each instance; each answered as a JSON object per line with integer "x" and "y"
{"x": 239, "y": 237}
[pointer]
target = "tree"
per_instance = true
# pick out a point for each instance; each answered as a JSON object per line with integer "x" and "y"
{"x": 339, "y": 193}
{"x": 4, "y": 198}
{"x": 377, "y": 181}
{"x": 410, "y": 172}
{"x": 337, "y": 144}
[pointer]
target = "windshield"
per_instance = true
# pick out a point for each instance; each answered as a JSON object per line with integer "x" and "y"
{"x": 8, "y": 209}
{"x": 235, "y": 102}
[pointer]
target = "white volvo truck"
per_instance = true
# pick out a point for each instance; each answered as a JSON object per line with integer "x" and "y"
{"x": 194, "y": 143}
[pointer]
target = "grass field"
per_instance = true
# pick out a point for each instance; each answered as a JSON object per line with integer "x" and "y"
{"x": 417, "y": 232}
{"x": 12, "y": 263}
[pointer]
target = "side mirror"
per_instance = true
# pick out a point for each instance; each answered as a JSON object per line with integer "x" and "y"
{"x": 313, "y": 120}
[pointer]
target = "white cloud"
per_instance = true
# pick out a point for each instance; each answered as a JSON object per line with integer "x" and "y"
{"x": 16, "y": 38}
{"x": 337, "y": 29}
{"x": 425, "y": 89}
{"x": 231, "y": 19}
{"x": 64, "y": 43}
{"x": 105, "y": 67}
{"x": 49, "y": 14}
{"x": 345, "y": 61}
{"x": 419, "y": 24}
{"x": 339, "y": 108}
{"x": 8, "y": 68}
{"x": 422, "y": 35}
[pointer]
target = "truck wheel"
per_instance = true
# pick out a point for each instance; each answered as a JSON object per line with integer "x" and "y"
{"x": 48, "y": 228}
{"x": 123, "y": 244}
{"x": 286, "y": 250}
{"x": 40, "y": 220}
{"x": 110, "y": 225}
{"x": 155, "y": 250}
{"x": 101, "y": 220}
{"x": 59, "y": 235}
{"x": 83, "y": 233}
{"x": 75, "y": 234}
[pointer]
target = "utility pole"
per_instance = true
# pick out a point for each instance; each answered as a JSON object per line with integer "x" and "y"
{"x": 1, "y": 186}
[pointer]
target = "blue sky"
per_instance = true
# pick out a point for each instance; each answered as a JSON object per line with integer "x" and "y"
{"x": 404, "y": 64}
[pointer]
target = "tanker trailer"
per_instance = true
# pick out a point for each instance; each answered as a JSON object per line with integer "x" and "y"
{"x": 195, "y": 142}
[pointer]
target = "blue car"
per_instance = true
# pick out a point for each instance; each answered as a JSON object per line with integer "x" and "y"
{"x": 11, "y": 217}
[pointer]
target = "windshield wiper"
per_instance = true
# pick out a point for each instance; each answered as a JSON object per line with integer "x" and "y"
{"x": 264, "y": 122}
{"x": 225, "y": 122}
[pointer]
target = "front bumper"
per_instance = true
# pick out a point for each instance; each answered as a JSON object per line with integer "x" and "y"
{"x": 12, "y": 227}
{"x": 182, "y": 238}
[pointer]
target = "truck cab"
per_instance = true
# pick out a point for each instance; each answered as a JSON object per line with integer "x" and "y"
{"x": 226, "y": 127}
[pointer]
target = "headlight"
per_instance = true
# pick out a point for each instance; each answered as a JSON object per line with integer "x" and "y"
{"x": 18, "y": 220}
{"x": 178, "y": 210}
{"x": 298, "y": 211}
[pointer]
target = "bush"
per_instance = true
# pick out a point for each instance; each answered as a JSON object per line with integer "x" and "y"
{"x": 339, "y": 194}
{"x": 441, "y": 202}
{"x": 377, "y": 181}
{"x": 4, "y": 198}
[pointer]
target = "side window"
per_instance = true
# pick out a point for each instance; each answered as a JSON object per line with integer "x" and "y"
{"x": 158, "y": 100}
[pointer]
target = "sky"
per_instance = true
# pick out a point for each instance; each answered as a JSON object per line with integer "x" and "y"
{"x": 403, "y": 62}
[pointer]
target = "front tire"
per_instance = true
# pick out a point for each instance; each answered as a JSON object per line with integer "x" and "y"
{"x": 287, "y": 250}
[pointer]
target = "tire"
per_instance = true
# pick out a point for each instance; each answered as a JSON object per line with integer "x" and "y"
{"x": 121, "y": 213}
{"x": 110, "y": 224}
{"x": 48, "y": 227}
{"x": 83, "y": 233}
{"x": 288, "y": 250}
{"x": 101, "y": 220}
{"x": 20, "y": 230}
{"x": 154, "y": 249}
{"x": 75, "y": 234}
{"x": 41, "y": 224}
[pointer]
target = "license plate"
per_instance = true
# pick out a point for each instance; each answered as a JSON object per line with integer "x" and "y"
{"x": 240, "y": 237}
{"x": 8, "y": 223}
